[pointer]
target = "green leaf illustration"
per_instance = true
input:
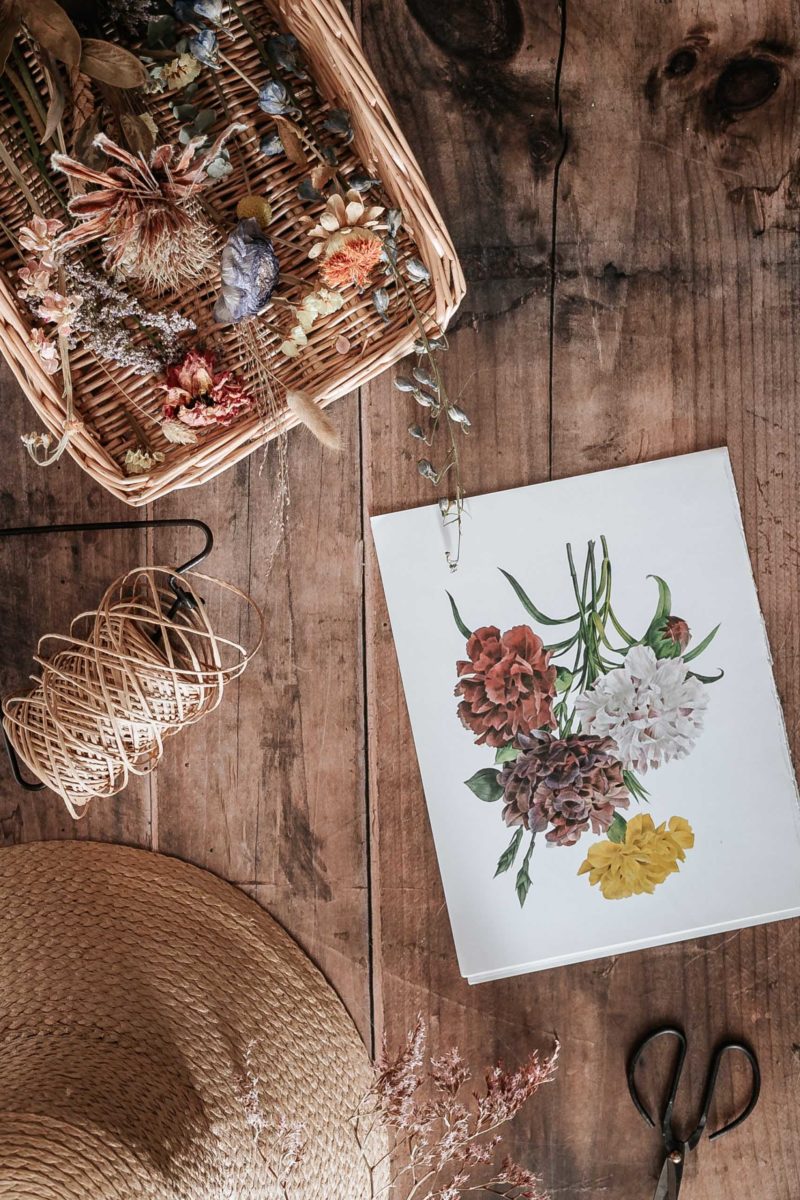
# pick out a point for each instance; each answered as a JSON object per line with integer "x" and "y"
{"x": 531, "y": 608}
{"x": 506, "y": 754}
{"x": 701, "y": 646}
{"x": 509, "y": 854}
{"x": 617, "y": 829}
{"x": 462, "y": 629}
{"x": 523, "y": 884}
{"x": 485, "y": 785}
{"x": 707, "y": 678}
{"x": 563, "y": 679}
{"x": 664, "y": 603}
{"x": 636, "y": 789}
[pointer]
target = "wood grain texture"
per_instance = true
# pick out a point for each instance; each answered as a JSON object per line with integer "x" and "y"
{"x": 627, "y": 219}
{"x": 658, "y": 319}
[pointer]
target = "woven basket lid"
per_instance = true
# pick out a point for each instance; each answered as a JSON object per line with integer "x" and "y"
{"x": 155, "y": 1026}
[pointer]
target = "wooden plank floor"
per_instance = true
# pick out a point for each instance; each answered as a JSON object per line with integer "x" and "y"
{"x": 627, "y": 212}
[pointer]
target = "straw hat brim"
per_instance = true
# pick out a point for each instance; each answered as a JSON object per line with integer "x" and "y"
{"x": 156, "y": 1026}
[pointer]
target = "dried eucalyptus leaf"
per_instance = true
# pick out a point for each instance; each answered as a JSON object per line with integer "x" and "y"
{"x": 362, "y": 183}
{"x": 50, "y": 26}
{"x": 424, "y": 377}
{"x": 427, "y": 470}
{"x": 424, "y": 400}
{"x": 338, "y": 122}
{"x": 394, "y": 221}
{"x": 111, "y": 64}
{"x": 321, "y": 175}
{"x": 205, "y": 119}
{"x": 291, "y": 141}
{"x": 435, "y": 343}
{"x": 458, "y": 415}
{"x": 417, "y": 271}
{"x": 380, "y": 299}
{"x": 404, "y": 384}
{"x": 307, "y": 191}
{"x": 219, "y": 168}
{"x": 416, "y": 432}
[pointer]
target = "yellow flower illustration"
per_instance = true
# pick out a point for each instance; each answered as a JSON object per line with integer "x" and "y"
{"x": 647, "y": 856}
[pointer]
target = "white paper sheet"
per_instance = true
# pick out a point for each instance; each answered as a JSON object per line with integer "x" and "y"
{"x": 677, "y": 519}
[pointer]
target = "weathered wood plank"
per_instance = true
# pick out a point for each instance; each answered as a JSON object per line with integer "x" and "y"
{"x": 672, "y": 330}
{"x": 268, "y": 791}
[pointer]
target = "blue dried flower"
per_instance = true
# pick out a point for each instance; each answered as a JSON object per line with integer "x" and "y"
{"x": 270, "y": 144}
{"x": 274, "y": 98}
{"x": 187, "y": 11}
{"x": 203, "y": 46}
{"x": 249, "y": 271}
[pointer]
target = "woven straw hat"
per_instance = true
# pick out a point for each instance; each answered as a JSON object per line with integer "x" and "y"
{"x": 155, "y": 1024}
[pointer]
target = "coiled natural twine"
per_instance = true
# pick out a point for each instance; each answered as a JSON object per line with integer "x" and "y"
{"x": 105, "y": 703}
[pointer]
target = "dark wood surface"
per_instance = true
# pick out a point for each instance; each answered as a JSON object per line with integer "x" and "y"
{"x": 629, "y": 234}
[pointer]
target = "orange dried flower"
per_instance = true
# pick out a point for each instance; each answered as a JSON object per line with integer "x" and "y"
{"x": 353, "y": 261}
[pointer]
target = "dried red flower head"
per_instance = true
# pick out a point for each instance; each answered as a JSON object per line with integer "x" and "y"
{"x": 507, "y": 685}
{"x": 197, "y": 395}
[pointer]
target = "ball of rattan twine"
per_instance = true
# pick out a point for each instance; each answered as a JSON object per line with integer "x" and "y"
{"x": 106, "y": 702}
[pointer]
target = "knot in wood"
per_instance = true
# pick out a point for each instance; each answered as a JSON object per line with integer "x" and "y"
{"x": 746, "y": 83}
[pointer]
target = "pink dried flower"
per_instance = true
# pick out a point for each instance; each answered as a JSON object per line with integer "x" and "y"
{"x": 449, "y": 1072}
{"x": 507, "y": 1091}
{"x": 46, "y": 350}
{"x": 35, "y": 279}
{"x": 197, "y": 395}
{"x": 527, "y": 1185}
{"x": 39, "y": 237}
{"x": 59, "y": 310}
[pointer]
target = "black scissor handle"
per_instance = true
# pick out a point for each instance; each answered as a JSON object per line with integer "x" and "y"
{"x": 670, "y": 1141}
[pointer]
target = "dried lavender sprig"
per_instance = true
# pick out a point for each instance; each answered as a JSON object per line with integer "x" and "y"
{"x": 101, "y": 324}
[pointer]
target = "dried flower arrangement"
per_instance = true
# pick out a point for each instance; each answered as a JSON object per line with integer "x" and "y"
{"x": 443, "y": 1137}
{"x": 198, "y": 252}
{"x": 571, "y": 739}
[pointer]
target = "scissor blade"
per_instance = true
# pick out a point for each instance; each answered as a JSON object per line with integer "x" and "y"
{"x": 667, "y": 1186}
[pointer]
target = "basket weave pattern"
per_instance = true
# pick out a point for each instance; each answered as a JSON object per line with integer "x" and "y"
{"x": 104, "y": 391}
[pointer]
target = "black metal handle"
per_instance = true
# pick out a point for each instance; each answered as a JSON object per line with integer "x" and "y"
{"x": 182, "y": 597}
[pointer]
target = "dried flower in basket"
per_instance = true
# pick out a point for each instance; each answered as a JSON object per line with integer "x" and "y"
{"x": 197, "y": 395}
{"x": 144, "y": 211}
{"x": 346, "y": 240}
{"x": 248, "y": 270}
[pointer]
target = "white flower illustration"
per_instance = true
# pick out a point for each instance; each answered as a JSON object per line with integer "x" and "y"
{"x": 652, "y": 708}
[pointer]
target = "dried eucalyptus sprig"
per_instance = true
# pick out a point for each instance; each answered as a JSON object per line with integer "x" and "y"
{"x": 425, "y": 382}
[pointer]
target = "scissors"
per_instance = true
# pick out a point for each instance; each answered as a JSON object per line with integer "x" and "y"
{"x": 676, "y": 1148}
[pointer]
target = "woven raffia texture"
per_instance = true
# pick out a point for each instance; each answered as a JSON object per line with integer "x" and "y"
{"x": 104, "y": 392}
{"x": 154, "y": 1024}
{"x": 106, "y": 701}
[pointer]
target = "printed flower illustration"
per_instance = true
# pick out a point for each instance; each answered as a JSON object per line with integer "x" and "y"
{"x": 652, "y": 708}
{"x": 575, "y": 723}
{"x": 637, "y": 865}
{"x": 197, "y": 395}
{"x": 569, "y": 784}
{"x": 507, "y": 685}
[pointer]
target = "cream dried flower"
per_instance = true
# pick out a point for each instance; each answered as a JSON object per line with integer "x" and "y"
{"x": 40, "y": 239}
{"x": 652, "y": 708}
{"x": 139, "y": 462}
{"x": 59, "y": 310}
{"x": 46, "y": 350}
{"x": 344, "y": 217}
{"x": 35, "y": 280}
{"x": 178, "y": 433}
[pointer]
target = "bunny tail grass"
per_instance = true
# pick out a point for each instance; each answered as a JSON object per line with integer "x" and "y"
{"x": 314, "y": 418}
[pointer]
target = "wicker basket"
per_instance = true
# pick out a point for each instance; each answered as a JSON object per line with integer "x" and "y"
{"x": 103, "y": 390}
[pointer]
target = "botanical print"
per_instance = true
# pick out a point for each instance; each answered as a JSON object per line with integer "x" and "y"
{"x": 577, "y": 722}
